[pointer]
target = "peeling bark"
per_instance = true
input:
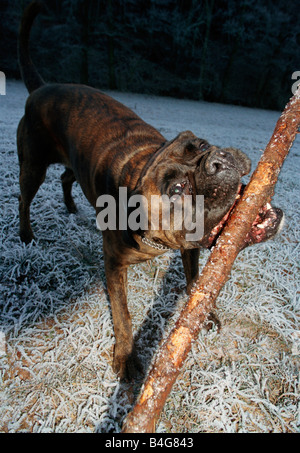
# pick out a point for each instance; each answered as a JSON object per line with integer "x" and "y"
{"x": 173, "y": 352}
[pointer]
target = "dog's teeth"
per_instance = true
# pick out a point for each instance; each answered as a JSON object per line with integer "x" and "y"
{"x": 260, "y": 226}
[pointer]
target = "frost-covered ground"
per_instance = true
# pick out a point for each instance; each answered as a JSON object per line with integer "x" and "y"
{"x": 56, "y": 339}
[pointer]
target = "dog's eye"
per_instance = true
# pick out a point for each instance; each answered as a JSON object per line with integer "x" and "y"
{"x": 177, "y": 190}
{"x": 204, "y": 146}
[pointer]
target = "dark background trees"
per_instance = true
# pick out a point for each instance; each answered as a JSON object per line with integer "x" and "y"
{"x": 232, "y": 51}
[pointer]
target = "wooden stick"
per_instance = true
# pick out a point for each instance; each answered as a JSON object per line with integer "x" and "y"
{"x": 173, "y": 352}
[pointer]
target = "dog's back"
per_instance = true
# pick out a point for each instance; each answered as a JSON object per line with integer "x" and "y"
{"x": 79, "y": 127}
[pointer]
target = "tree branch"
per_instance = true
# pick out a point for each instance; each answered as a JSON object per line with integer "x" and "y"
{"x": 173, "y": 352}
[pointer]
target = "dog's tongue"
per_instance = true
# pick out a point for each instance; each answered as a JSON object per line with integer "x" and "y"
{"x": 268, "y": 222}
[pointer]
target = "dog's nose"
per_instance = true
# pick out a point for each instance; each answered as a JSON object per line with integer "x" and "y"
{"x": 218, "y": 160}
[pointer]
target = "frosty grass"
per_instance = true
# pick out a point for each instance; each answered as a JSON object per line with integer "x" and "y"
{"x": 56, "y": 334}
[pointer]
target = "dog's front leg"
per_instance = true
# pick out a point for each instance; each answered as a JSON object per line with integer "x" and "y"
{"x": 125, "y": 362}
{"x": 190, "y": 260}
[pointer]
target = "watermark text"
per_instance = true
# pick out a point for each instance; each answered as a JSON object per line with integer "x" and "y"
{"x": 158, "y": 212}
{"x": 295, "y": 75}
{"x": 2, "y": 83}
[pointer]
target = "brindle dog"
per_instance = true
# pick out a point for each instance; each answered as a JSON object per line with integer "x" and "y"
{"x": 104, "y": 146}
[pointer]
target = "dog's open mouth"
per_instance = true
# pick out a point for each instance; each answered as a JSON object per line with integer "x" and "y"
{"x": 266, "y": 225}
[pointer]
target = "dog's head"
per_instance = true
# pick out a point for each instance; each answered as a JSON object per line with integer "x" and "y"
{"x": 190, "y": 178}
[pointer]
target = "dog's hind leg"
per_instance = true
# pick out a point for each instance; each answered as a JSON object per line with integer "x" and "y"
{"x": 31, "y": 177}
{"x": 67, "y": 179}
{"x": 33, "y": 169}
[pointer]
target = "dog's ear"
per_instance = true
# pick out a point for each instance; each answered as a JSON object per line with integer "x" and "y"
{"x": 186, "y": 148}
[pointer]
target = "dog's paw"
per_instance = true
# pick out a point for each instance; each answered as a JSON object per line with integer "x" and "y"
{"x": 212, "y": 321}
{"x": 71, "y": 207}
{"x": 27, "y": 236}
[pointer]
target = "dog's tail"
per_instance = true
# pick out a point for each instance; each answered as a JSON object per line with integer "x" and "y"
{"x": 30, "y": 75}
